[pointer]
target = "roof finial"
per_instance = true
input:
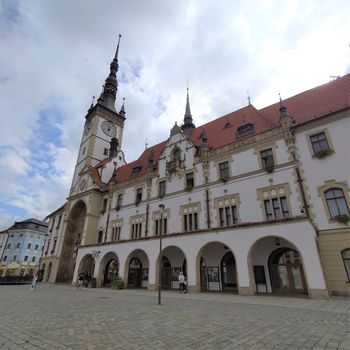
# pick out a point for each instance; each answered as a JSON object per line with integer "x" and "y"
{"x": 122, "y": 110}
{"x": 117, "y": 50}
{"x": 248, "y": 98}
{"x": 108, "y": 96}
{"x": 283, "y": 108}
{"x": 146, "y": 144}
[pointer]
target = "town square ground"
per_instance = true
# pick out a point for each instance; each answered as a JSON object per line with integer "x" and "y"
{"x": 60, "y": 317}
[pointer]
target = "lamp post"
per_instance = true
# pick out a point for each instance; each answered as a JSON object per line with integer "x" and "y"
{"x": 36, "y": 276}
{"x": 161, "y": 207}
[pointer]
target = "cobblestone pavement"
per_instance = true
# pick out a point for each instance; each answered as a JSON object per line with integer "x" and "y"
{"x": 59, "y": 317}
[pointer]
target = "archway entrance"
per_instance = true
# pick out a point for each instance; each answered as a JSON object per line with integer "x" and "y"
{"x": 135, "y": 273}
{"x": 111, "y": 271}
{"x": 216, "y": 267}
{"x": 166, "y": 273}
{"x": 275, "y": 266}
{"x": 228, "y": 273}
{"x": 71, "y": 242}
{"x": 136, "y": 269}
{"x": 173, "y": 262}
{"x": 286, "y": 272}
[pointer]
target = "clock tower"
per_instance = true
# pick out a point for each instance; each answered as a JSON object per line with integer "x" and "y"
{"x": 103, "y": 130}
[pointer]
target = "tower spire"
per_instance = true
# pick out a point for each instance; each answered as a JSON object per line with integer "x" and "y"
{"x": 109, "y": 92}
{"x": 283, "y": 108}
{"x": 188, "y": 125}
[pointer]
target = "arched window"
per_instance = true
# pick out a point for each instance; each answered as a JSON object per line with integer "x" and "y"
{"x": 336, "y": 202}
{"x": 346, "y": 259}
{"x": 176, "y": 154}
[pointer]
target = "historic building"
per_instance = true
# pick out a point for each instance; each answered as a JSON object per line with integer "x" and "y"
{"x": 23, "y": 245}
{"x": 256, "y": 201}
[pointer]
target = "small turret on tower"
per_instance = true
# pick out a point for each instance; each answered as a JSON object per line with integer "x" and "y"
{"x": 188, "y": 125}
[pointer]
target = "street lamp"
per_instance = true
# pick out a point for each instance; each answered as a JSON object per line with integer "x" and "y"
{"x": 36, "y": 276}
{"x": 161, "y": 207}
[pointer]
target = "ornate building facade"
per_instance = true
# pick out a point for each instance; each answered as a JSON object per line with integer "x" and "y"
{"x": 256, "y": 201}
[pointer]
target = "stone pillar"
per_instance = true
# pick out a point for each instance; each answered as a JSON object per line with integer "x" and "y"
{"x": 244, "y": 287}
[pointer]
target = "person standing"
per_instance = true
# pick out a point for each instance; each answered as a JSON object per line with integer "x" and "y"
{"x": 80, "y": 280}
{"x": 181, "y": 282}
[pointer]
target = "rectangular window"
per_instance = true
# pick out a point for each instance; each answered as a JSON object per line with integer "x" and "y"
{"x": 5, "y": 258}
{"x": 26, "y": 258}
{"x": 119, "y": 200}
{"x": 158, "y": 227}
{"x": 136, "y": 230}
{"x": 138, "y": 195}
{"x": 29, "y": 245}
{"x": 105, "y": 152}
{"x": 53, "y": 224}
{"x": 267, "y": 158}
{"x": 190, "y": 222}
{"x": 18, "y": 245}
{"x": 33, "y": 259}
{"x": 59, "y": 221}
{"x": 104, "y": 207}
{"x": 14, "y": 258}
{"x": 228, "y": 216}
{"x": 54, "y": 246}
{"x": 276, "y": 208}
{"x": 189, "y": 181}
{"x": 36, "y": 246}
{"x": 161, "y": 189}
{"x": 319, "y": 142}
{"x": 9, "y": 246}
{"x": 224, "y": 170}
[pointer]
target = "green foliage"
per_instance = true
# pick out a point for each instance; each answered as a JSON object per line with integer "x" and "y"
{"x": 117, "y": 283}
{"x": 343, "y": 219}
{"x": 323, "y": 153}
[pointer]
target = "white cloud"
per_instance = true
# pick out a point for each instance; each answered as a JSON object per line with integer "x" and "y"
{"x": 56, "y": 55}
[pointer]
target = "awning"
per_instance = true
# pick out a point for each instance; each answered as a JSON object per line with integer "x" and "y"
{"x": 14, "y": 265}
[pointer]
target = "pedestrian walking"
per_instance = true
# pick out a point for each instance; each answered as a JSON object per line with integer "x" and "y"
{"x": 34, "y": 282}
{"x": 87, "y": 279}
{"x": 80, "y": 280}
{"x": 181, "y": 282}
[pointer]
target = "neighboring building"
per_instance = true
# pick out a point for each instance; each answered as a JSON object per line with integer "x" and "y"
{"x": 247, "y": 203}
{"x": 23, "y": 249}
{"x": 3, "y": 242}
{"x": 52, "y": 246}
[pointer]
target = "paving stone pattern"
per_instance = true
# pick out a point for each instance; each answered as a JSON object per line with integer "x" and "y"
{"x": 59, "y": 317}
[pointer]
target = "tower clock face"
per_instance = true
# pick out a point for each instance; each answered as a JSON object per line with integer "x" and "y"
{"x": 108, "y": 128}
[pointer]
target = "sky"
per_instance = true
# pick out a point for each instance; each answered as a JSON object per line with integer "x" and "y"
{"x": 55, "y": 55}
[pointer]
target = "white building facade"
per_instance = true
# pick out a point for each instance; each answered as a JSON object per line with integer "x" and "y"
{"x": 243, "y": 203}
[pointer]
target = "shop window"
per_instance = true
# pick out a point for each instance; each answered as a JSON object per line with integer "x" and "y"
{"x": 346, "y": 259}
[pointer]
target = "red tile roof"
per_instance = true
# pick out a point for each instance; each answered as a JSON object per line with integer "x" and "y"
{"x": 311, "y": 104}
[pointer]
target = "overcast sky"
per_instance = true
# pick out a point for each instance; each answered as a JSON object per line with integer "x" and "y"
{"x": 55, "y": 55}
